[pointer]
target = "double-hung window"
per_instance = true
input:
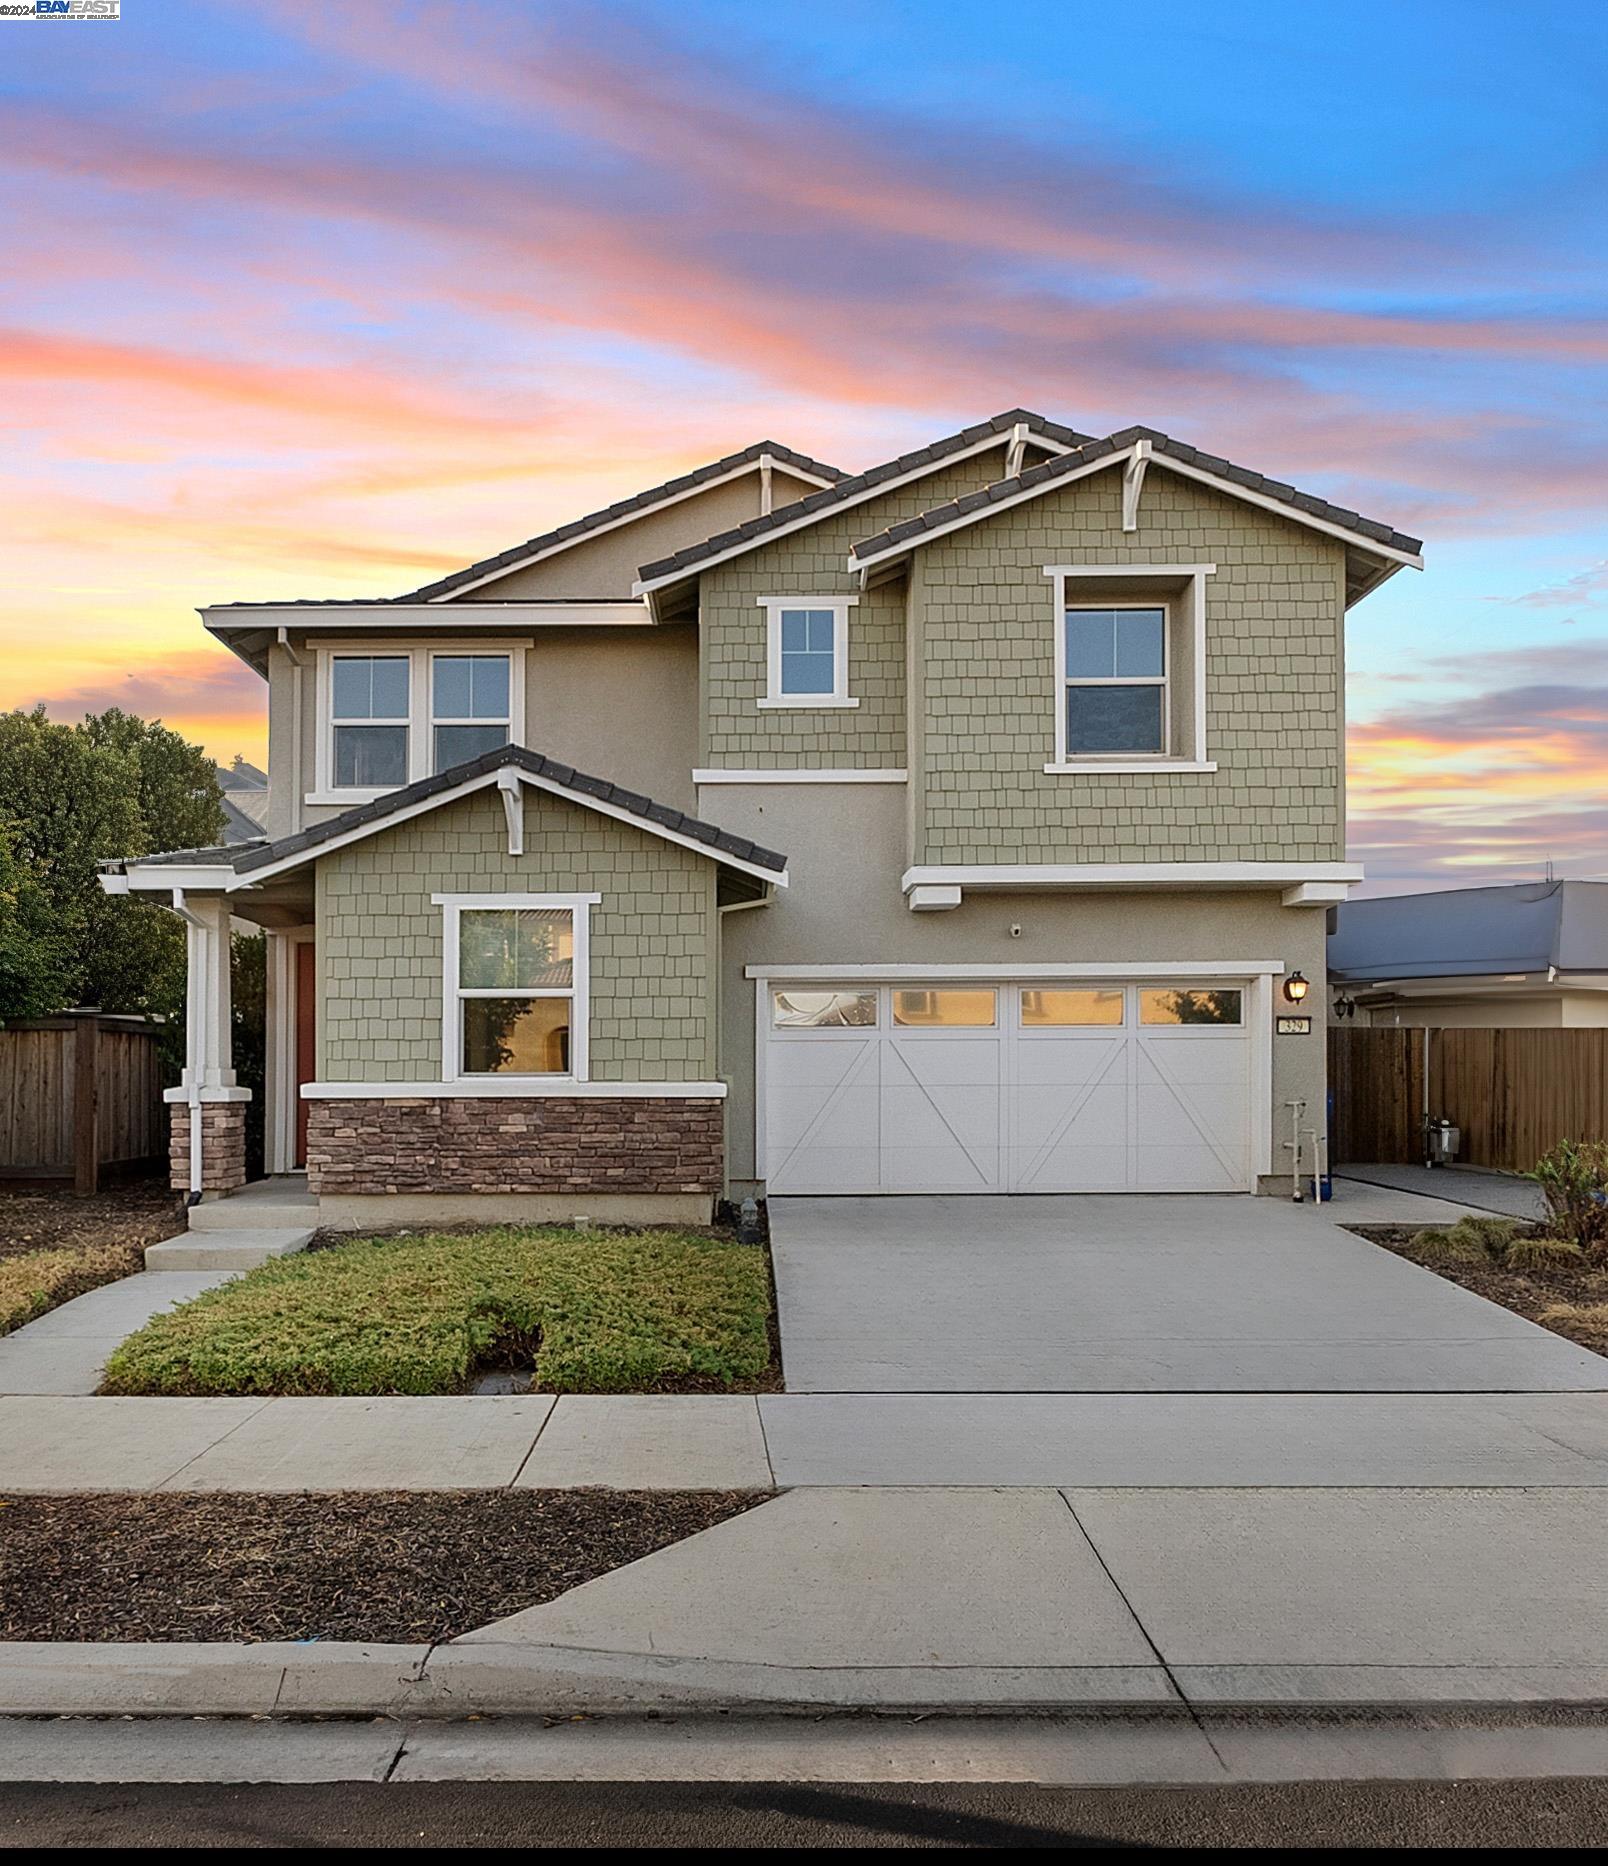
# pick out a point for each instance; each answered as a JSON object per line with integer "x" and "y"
{"x": 515, "y": 985}
{"x": 370, "y": 709}
{"x": 470, "y": 706}
{"x": 1114, "y": 686}
{"x": 807, "y": 650}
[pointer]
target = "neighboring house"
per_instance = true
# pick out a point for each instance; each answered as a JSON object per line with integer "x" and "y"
{"x": 245, "y": 801}
{"x": 950, "y": 827}
{"x": 1530, "y": 953}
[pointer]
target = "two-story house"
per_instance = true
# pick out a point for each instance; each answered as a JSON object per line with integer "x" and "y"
{"x": 962, "y": 825}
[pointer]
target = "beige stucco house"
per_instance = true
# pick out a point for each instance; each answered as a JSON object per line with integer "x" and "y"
{"x": 954, "y": 826}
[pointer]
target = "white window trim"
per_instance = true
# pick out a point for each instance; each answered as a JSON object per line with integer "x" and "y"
{"x": 453, "y": 907}
{"x": 420, "y": 656}
{"x": 807, "y": 702}
{"x": 1163, "y": 680}
{"x": 1193, "y": 599}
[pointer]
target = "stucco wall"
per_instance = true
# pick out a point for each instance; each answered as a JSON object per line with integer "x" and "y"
{"x": 845, "y": 907}
{"x": 621, "y": 703}
{"x": 380, "y": 938}
{"x": 812, "y": 563}
{"x": 1274, "y": 687}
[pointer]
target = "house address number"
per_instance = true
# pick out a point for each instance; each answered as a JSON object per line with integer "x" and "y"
{"x": 1295, "y": 1026}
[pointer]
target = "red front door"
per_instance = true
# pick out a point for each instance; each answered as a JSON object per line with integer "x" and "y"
{"x": 306, "y": 1061}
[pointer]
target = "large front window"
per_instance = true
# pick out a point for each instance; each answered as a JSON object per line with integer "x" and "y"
{"x": 369, "y": 707}
{"x": 516, "y": 970}
{"x": 1115, "y": 692}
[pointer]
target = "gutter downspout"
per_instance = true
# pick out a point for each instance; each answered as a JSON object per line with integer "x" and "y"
{"x": 195, "y": 1001}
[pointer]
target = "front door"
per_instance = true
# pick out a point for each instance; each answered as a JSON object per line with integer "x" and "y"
{"x": 306, "y": 1026}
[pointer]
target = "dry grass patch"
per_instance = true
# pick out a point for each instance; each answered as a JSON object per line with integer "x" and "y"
{"x": 36, "y": 1281}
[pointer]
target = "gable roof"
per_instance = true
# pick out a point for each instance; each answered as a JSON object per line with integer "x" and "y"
{"x": 622, "y": 509}
{"x": 1367, "y": 534}
{"x": 260, "y": 860}
{"x": 848, "y": 491}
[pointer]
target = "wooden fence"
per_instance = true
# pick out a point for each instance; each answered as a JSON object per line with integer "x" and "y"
{"x": 1514, "y": 1093}
{"x": 80, "y": 1097}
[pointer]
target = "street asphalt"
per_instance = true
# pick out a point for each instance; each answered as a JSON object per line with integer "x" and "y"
{"x": 790, "y": 1814}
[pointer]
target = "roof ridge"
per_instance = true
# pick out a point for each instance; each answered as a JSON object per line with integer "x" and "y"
{"x": 933, "y": 451}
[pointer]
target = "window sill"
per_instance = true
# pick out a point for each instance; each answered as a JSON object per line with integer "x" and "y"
{"x": 805, "y": 703}
{"x": 1116, "y": 766}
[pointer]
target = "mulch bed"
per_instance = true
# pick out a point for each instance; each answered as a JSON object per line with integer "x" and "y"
{"x": 1529, "y": 1293}
{"x": 392, "y": 1566}
{"x": 144, "y": 1211}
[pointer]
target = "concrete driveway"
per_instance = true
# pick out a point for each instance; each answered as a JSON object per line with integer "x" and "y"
{"x": 1138, "y": 1294}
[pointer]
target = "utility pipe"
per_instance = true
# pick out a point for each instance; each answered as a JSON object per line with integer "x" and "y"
{"x": 1293, "y": 1148}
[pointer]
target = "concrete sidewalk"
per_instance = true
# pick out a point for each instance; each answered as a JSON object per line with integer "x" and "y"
{"x": 741, "y": 1442}
{"x": 65, "y": 1351}
{"x": 943, "y": 1600}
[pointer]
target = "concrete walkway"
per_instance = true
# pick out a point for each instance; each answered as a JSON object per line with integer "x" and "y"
{"x": 65, "y": 1350}
{"x": 1138, "y": 1295}
{"x": 1162, "y": 1441}
{"x": 1503, "y": 1193}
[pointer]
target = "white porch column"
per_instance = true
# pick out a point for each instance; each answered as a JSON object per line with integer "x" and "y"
{"x": 209, "y": 1033}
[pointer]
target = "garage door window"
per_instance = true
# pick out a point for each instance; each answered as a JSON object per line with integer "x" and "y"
{"x": 1190, "y": 1007}
{"x": 945, "y": 1010}
{"x": 823, "y": 1010}
{"x": 1069, "y": 1010}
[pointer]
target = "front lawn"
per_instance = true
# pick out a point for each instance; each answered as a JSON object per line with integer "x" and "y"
{"x": 598, "y": 1311}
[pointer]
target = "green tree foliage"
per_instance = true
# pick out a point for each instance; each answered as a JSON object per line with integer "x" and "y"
{"x": 36, "y": 958}
{"x": 71, "y": 796}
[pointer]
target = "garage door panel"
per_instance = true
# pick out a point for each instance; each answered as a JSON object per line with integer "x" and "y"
{"x": 1030, "y": 1109}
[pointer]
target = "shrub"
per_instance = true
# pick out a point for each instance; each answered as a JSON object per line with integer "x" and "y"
{"x": 1542, "y": 1253}
{"x": 1470, "y": 1240}
{"x": 38, "y": 1280}
{"x": 602, "y": 1312}
{"x": 1573, "y": 1177}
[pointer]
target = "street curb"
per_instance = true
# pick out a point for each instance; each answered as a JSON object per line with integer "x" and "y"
{"x": 481, "y": 1677}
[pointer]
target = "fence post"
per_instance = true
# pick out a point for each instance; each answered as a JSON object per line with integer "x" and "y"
{"x": 86, "y": 1106}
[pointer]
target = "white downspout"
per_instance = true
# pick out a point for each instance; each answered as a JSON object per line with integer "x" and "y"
{"x": 297, "y": 663}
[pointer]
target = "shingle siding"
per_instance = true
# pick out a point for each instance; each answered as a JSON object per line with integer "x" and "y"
{"x": 739, "y": 733}
{"x": 1274, "y": 699}
{"x": 380, "y": 938}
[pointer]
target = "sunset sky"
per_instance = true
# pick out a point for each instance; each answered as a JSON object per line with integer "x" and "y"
{"x": 309, "y": 299}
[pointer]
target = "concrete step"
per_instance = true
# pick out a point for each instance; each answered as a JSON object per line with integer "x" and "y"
{"x": 226, "y": 1250}
{"x": 252, "y": 1210}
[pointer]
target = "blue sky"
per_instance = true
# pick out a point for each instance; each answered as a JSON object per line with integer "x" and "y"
{"x": 308, "y": 300}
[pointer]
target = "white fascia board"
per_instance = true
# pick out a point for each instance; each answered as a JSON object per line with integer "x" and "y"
{"x": 846, "y": 774}
{"x": 1010, "y": 974}
{"x": 488, "y": 780}
{"x": 364, "y": 616}
{"x": 506, "y": 1087}
{"x": 1228, "y": 487}
{"x": 987, "y": 510}
{"x": 1130, "y": 570}
{"x": 1134, "y": 875}
{"x": 1317, "y": 893}
{"x": 642, "y": 511}
{"x": 988, "y": 445}
{"x": 163, "y": 878}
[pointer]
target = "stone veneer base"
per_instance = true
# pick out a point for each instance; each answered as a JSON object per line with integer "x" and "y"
{"x": 223, "y": 1146}
{"x": 571, "y": 1150}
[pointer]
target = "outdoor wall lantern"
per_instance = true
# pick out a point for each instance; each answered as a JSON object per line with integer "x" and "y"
{"x": 1296, "y": 988}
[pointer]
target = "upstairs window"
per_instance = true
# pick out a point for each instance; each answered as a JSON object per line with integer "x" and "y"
{"x": 470, "y": 706}
{"x": 808, "y": 650}
{"x": 1114, "y": 691}
{"x": 369, "y": 708}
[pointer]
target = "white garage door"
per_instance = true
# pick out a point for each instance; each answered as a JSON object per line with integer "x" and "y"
{"x": 981, "y": 1087}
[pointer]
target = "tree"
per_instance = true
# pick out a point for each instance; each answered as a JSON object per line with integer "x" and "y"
{"x": 36, "y": 956}
{"x": 72, "y": 796}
